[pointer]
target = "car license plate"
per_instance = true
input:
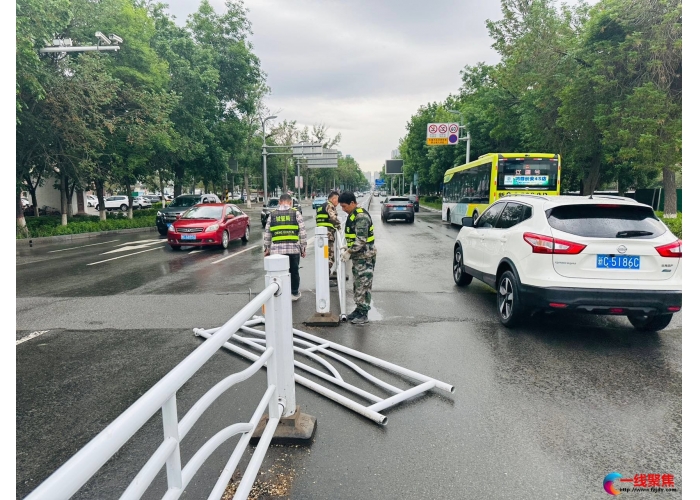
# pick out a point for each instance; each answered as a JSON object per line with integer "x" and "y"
{"x": 189, "y": 237}
{"x": 400, "y": 208}
{"x": 618, "y": 262}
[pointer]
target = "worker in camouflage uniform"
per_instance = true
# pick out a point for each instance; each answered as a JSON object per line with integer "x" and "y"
{"x": 327, "y": 216}
{"x": 359, "y": 234}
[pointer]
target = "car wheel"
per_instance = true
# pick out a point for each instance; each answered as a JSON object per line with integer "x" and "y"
{"x": 124, "y": 208}
{"x": 650, "y": 323}
{"x": 410, "y": 221}
{"x": 97, "y": 207}
{"x": 163, "y": 232}
{"x": 175, "y": 247}
{"x": 224, "y": 240}
{"x": 246, "y": 235}
{"x": 461, "y": 278}
{"x": 508, "y": 300}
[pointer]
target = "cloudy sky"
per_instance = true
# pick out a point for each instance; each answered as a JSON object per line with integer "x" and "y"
{"x": 362, "y": 67}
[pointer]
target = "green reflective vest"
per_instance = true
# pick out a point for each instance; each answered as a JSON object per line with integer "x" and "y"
{"x": 350, "y": 235}
{"x": 284, "y": 226}
{"x": 322, "y": 217}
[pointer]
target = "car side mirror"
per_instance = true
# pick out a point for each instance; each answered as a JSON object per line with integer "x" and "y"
{"x": 467, "y": 221}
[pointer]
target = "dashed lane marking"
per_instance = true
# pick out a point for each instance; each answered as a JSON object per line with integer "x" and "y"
{"x": 234, "y": 254}
{"x": 122, "y": 256}
{"x": 31, "y": 336}
{"x": 82, "y": 246}
{"x": 135, "y": 246}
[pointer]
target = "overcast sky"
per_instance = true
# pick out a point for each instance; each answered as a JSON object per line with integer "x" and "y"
{"x": 362, "y": 67}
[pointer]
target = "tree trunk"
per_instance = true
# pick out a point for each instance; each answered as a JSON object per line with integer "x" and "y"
{"x": 247, "y": 189}
{"x": 21, "y": 222}
{"x": 670, "y": 208}
{"x": 100, "y": 188}
{"x": 591, "y": 177}
{"x": 179, "y": 173}
{"x": 69, "y": 197}
{"x": 81, "y": 200}
{"x": 64, "y": 204}
{"x": 162, "y": 195}
{"x": 130, "y": 211}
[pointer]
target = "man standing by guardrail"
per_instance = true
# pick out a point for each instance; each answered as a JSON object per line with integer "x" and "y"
{"x": 285, "y": 234}
{"x": 359, "y": 233}
{"x": 327, "y": 216}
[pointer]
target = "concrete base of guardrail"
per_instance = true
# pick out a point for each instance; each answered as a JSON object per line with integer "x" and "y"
{"x": 296, "y": 429}
{"x": 323, "y": 319}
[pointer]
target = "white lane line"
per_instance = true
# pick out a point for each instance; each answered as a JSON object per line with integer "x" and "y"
{"x": 234, "y": 254}
{"x": 122, "y": 256}
{"x": 195, "y": 251}
{"x": 129, "y": 248}
{"x": 138, "y": 242}
{"x": 83, "y": 246}
{"x": 31, "y": 336}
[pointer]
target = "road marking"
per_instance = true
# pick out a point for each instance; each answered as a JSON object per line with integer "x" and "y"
{"x": 135, "y": 247}
{"x": 83, "y": 246}
{"x": 195, "y": 251}
{"x": 234, "y": 254}
{"x": 122, "y": 256}
{"x": 31, "y": 336}
{"x": 138, "y": 242}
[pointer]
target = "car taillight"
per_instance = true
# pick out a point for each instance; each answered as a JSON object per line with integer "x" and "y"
{"x": 674, "y": 249}
{"x": 547, "y": 244}
{"x": 389, "y": 206}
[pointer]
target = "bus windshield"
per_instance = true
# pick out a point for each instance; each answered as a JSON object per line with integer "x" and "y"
{"x": 527, "y": 173}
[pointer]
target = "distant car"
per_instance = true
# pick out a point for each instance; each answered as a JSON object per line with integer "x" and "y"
{"x": 397, "y": 207}
{"x": 116, "y": 203}
{"x": 214, "y": 224}
{"x": 142, "y": 202}
{"x": 25, "y": 202}
{"x": 414, "y": 199}
{"x": 91, "y": 200}
{"x": 272, "y": 204}
{"x": 597, "y": 254}
{"x": 167, "y": 215}
{"x": 153, "y": 198}
{"x": 376, "y": 193}
{"x": 319, "y": 201}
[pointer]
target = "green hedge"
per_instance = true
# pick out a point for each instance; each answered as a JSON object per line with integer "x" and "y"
{"x": 51, "y": 225}
{"x": 675, "y": 225}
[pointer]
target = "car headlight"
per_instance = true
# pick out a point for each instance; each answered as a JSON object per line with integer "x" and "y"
{"x": 171, "y": 229}
{"x": 159, "y": 214}
{"x": 213, "y": 227}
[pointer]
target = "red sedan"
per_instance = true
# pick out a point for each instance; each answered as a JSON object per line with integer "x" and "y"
{"x": 209, "y": 224}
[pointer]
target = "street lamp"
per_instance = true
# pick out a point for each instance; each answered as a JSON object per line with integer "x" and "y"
{"x": 264, "y": 153}
{"x": 465, "y": 127}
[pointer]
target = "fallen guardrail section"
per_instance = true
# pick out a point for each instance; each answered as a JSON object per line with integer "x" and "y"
{"x": 279, "y": 400}
{"x": 310, "y": 346}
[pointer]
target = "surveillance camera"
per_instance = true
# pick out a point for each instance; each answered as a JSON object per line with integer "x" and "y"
{"x": 115, "y": 38}
{"x": 102, "y": 38}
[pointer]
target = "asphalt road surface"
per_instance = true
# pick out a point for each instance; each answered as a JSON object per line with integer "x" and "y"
{"x": 542, "y": 411}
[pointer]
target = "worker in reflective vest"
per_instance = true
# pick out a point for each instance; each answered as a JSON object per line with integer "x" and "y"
{"x": 327, "y": 216}
{"x": 285, "y": 234}
{"x": 359, "y": 234}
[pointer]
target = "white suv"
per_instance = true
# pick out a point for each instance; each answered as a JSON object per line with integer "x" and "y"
{"x": 598, "y": 254}
{"x": 116, "y": 203}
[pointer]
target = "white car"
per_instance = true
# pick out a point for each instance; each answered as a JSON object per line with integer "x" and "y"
{"x": 91, "y": 200}
{"x": 598, "y": 254}
{"x": 116, "y": 203}
{"x": 142, "y": 202}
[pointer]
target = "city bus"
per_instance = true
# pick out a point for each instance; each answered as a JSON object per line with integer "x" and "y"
{"x": 469, "y": 189}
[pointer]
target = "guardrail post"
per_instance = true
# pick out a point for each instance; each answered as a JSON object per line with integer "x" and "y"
{"x": 341, "y": 270}
{"x": 173, "y": 465}
{"x": 294, "y": 426}
{"x": 323, "y": 316}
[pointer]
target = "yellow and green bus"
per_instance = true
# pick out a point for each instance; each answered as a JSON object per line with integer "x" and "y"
{"x": 468, "y": 189}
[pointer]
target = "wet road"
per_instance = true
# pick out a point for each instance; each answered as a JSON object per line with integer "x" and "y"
{"x": 542, "y": 411}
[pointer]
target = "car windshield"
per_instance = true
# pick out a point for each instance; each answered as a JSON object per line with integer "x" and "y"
{"x": 606, "y": 221}
{"x": 398, "y": 199}
{"x": 273, "y": 203}
{"x": 203, "y": 212}
{"x": 185, "y": 201}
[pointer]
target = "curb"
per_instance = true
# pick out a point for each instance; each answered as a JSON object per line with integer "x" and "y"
{"x": 27, "y": 242}
{"x": 430, "y": 209}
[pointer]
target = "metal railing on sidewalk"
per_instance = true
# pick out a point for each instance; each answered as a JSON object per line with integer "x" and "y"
{"x": 279, "y": 400}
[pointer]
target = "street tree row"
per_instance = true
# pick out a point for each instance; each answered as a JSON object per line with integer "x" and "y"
{"x": 600, "y": 85}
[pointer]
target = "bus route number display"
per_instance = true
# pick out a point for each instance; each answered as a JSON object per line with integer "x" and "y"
{"x": 526, "y": 180}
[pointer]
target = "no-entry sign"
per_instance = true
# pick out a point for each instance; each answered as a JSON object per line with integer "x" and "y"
{"x": 440, "y": 134}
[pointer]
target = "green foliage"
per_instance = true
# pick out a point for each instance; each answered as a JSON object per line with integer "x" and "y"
{"x": 51, "y": 225}
{"x": 675, "y": 225}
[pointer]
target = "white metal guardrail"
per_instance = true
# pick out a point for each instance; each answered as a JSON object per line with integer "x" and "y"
{"x": 311, "y": 346}
{"x": 279, "y": 400}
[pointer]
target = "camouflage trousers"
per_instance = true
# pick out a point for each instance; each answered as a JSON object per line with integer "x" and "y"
{"x": 362, "y": 275}
{"x": 331, "y": 248}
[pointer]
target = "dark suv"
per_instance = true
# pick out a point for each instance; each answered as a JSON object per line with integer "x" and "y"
{"x": 178, "y": 206}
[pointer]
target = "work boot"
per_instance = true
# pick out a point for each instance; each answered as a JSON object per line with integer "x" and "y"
{"x": 360, "y": 320}
{"x": 353, "y": 315}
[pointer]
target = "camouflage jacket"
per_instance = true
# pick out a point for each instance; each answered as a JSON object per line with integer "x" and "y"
{"x": 361, "y": 249}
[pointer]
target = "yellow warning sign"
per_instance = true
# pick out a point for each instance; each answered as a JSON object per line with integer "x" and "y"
{"x": 437, "y": 141}
{"x": 325, "y": 252}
